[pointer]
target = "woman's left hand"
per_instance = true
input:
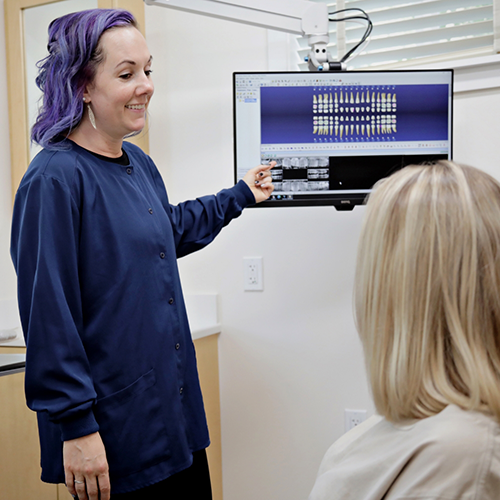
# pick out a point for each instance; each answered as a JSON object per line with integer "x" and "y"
{"x": 259, "y": 181}
{"x": 86, "y": 468}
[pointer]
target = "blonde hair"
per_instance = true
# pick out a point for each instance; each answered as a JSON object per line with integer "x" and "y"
{"x": 427, "y": 291}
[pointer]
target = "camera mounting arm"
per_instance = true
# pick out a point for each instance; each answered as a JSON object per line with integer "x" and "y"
{"x": 300, "y": 17}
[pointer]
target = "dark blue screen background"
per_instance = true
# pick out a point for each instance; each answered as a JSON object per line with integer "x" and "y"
{"x": 287, "y": 112}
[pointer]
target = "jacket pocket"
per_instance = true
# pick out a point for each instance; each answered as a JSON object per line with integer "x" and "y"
{"x": 132, "y": 427}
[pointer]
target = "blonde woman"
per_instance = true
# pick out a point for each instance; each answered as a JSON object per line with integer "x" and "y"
{"x": 427, "y": 299}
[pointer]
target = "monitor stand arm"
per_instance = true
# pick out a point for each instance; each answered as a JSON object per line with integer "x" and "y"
{"x": 299, "y": 17}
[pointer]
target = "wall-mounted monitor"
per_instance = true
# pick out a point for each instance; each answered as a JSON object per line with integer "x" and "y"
{"x": 333, "y": 135}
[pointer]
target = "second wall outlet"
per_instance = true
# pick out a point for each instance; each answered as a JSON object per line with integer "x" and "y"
{"x": 353, "y": 418}
{"x": 252, "y": 267}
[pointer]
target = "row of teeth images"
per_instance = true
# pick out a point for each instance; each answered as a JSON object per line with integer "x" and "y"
{"x": 380, "y": 125}
{"x": 377, "y": 101}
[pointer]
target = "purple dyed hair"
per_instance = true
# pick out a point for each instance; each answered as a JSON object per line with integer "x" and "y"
{"x": 74, "y": 55}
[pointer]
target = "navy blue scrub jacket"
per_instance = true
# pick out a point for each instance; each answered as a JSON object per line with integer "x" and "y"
{"x": 109, "y": 349}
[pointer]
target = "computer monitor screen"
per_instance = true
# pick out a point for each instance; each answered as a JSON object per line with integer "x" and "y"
{"x": 333, "y": 135}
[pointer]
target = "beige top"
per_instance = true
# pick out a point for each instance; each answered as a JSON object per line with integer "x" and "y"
{"x": 449, "y": 456}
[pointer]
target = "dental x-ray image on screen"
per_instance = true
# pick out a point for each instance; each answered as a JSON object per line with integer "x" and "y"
{"x": 334, "y": 135}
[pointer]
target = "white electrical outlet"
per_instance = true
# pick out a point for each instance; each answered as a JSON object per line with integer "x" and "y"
{"x": 353, "y": 418}
{"x": 252, "y": 267}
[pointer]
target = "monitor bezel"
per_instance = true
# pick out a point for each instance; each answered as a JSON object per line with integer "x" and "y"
{"x": 340, "y": 201}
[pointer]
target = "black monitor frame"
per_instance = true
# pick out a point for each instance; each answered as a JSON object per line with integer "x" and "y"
{"x": 355, "y": 172}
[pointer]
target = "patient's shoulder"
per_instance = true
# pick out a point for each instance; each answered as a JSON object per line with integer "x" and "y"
{"x": 452, "y": 455}
{"x": 455, "y": 428}
{"x": 455, "y": 454}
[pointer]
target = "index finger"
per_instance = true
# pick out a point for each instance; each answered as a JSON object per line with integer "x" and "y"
{"x": 261, "y": 168}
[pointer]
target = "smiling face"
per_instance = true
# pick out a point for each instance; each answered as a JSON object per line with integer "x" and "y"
{"x": 120, "y": 92}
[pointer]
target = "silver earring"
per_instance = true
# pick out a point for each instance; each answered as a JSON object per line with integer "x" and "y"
{"x": 84, "y": 99}
{"x": 91, "y": 116}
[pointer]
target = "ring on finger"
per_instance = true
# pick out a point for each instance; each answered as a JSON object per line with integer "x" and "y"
{"x": 79, "y": 482}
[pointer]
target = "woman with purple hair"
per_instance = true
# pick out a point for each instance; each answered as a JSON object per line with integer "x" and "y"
{"x": 110, "y": 364}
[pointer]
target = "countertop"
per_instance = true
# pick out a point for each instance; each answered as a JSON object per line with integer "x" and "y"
{"x": 11, "y": 363}
{"x": 202, "y": 315}
{"x": 201, "y": 309}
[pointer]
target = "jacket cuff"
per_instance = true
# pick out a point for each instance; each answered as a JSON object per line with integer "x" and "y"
{"x": 244, "y": 196}
{"x": 78, "y": 426}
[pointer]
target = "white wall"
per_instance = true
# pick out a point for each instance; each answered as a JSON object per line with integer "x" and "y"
{"x": 290, "y": 359}
{"x": 476, "y": 130}
{"x": 289, "y": 356}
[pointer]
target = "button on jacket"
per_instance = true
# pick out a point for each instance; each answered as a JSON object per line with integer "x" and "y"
{"x": 95, "y": 244}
